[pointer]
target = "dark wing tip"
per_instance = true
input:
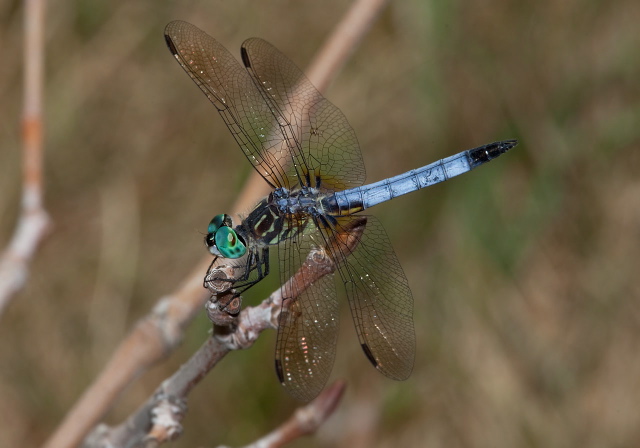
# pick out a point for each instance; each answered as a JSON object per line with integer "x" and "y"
{"x": 367, "y": 351}
{"x": 170, "y": 44}
{"x": 486, "y": 153}
{"x": 172, "y": 30}
{"x": 279, "y": 371}
{"x": 245, "y": 57}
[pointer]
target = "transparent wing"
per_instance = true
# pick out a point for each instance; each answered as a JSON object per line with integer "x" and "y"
{"x": 308, "y": 324}
{"x": 379, "y": 295}
{"x": 325, "y": 151}
{"x": 229, "y": 87}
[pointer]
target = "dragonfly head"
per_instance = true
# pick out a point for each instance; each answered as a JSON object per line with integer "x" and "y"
{"x": 222, "y": 240}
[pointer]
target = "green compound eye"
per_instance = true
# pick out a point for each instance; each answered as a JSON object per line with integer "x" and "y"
{"x": 228, "y": 243}
{"x": 216, "y": 223}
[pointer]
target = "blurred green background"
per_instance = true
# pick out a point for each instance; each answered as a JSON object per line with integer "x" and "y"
{"x": 524, "y": 273}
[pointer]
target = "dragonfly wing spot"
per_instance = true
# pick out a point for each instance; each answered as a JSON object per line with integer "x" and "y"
{"x": 279, "y": 371}
{"x": 369, "y": 354}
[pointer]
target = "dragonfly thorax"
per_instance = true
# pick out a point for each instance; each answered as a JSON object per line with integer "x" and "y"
{"x": 294, "y": 202}
{"x": 280, "y": 216}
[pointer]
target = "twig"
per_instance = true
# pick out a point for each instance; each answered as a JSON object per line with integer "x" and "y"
{"x": 151, "y": 340}
{"x": 34, "y": 220}
{"x": 343, "y": 41}
{"x": 306, "y": 420}
{"x": 155, "y": 336}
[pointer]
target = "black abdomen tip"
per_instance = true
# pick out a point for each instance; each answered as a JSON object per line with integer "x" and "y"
{"x": 484, "y": 154}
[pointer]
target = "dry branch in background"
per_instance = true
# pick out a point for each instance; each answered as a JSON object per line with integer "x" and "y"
{"x": 306, "y": 420}
{"x": 155, "y": 336}
{"x": 33, "y": 221}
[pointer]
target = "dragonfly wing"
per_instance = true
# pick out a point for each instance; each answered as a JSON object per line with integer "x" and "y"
{"x": 323, "y": 144}
{"x": 229, "y": 87}
{"x": 379, "y": 295}
{"x": 308, "y": 323}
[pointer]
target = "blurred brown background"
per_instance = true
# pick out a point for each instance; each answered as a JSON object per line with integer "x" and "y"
{"x": 524, "y": 273}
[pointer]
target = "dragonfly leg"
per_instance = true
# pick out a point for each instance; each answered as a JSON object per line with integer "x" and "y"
{"x": 207, "y": 278}
{"x": 255, "y": 269}
{"x": 265, "y": 261}
{"x": 258, "y": 262}
{"x": 211, "y": 279}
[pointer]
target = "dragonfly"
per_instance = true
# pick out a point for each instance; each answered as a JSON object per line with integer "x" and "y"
{"x": 305, "y": 149}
